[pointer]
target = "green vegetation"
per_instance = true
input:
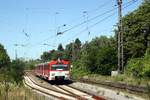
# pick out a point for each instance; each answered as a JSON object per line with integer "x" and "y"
{"x": 54, "y": 54}
{"x": 19, "y": 93}
{"x": 99, "y": 56}
{"x": 17, "y": 70}
{"x": 95, "y": 59}
{"x": 139, "y": 67}
{"x": 11, "y": 79}
{"x": 137, "y": 31}
{"x": 29, "y": 65}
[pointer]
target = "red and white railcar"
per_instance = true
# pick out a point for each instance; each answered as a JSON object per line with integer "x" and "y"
{"x": 54, "y": 70}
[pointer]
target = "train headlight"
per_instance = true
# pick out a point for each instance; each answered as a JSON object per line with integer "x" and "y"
{"x": 53, "y": 74}
{"x": 67, "y": 74}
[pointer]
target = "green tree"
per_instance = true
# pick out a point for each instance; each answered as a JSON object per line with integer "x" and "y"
{"x": 4, "y": 65}
{"x": 139, "y": 67}
{"x": 98, "y": 56}
{"x": 17, "y": 70}
{"x": 72, "y": 50}
{"x": 60, "y": 47}
{"x": 4, "y": 58}
{"x": 68, "y": 50}
{"x": 30, "y": 65}
{"x": 136, "y": 27}
{"x": 77, "y": 43}
{"x": 76, "y": 49}
{"x": 5, "y": 70}
{"x": 45, "y": 56}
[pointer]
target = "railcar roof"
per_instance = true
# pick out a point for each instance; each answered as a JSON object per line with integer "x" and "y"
{"x": 42, "y": 64}
{"x": 53, "y": 62}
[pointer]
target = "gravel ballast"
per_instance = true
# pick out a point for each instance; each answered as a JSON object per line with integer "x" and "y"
{"x": 109, "y": 94}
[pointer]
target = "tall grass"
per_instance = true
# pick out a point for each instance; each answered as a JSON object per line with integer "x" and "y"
{"x": 16, "y": 92}
{"x": 148, "y": 90}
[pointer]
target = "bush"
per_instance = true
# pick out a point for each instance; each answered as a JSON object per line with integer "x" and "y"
{"x": 98, "y": 56}
{"x": 139, "y": 67}
{"x": 17, "y": 70}
{"x": 77, "y": 71}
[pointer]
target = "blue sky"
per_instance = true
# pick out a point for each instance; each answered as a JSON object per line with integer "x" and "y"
{"x": 41, "y": 19}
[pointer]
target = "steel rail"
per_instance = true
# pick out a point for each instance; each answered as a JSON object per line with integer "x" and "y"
{"x": 72, "y": 93}
{"x": 46, "y": 87}
{"x": 93, "y": 96}
{"x": 40, "y": 90}
{"x": 58, "y": 92}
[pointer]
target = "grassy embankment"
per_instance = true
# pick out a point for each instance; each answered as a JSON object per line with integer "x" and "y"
{"x": 15, "y": 92}
{"x": 77, "y": 75}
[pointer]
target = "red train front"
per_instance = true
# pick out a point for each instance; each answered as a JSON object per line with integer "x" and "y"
{"x": 54, "y": 70}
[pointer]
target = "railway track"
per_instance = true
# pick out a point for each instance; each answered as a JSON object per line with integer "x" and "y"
{"x": 55, "y": 94}
{"x": 124, "y": 86}
{"x": 63, "y": 92}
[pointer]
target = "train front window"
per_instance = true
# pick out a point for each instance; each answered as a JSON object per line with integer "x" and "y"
{"x": 59, "y": 67}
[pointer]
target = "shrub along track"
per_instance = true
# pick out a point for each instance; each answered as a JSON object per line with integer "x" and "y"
{"x": 64, "y": 91}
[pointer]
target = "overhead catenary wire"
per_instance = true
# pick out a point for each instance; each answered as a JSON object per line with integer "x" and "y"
{"x": 38, "y": 43}
{"x": 86, "y": 17}
{"x": 65, "y": 24}
{"x": 93, "y": 18}
{"x": 86, "y": 22}
{"x": 81, "y": 32}
{"x": 24, "y": 30}
{"x": 91, "y": 11}
{"x": 129, "y": 4}
{"x": 102, "y": 14}
{"x": 53, "y": 36}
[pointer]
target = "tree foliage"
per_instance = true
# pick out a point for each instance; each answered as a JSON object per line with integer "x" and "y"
{"x": 4, "y": 58}
{"x": 137, "y": 41}
{"x": 67, "y": 53}
{"x": 10, "y": 71}
{"x": 137, "y": 31}
{"x": 139, "y": 67}
{"x": 98, "y": 56}
{"x": 4, "y": 65}
{"x": 46, "y": 56}
{"x": 17, "y": 70}
{"x": 60, "y": 47}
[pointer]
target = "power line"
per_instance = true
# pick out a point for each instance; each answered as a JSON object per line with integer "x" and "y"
{"x": 86, "y": 17}
{"x": 103, "y": 19}
{"x": 59, "y": 33}
{"x": 92, "y": 11}
{"x": 81, "y": 32}
{"x": 77, "y": 25}
{"x": 101, "y": 6}
{"x": 44, "y": 40}
{"x": 88, "y": 21}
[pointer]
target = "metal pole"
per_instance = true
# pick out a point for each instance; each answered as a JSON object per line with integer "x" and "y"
{"x": 16, "y": 54}
{"x": 121, "y": 29}
{"x": 72, "y": 51}
{"x": 120, "y": 37}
